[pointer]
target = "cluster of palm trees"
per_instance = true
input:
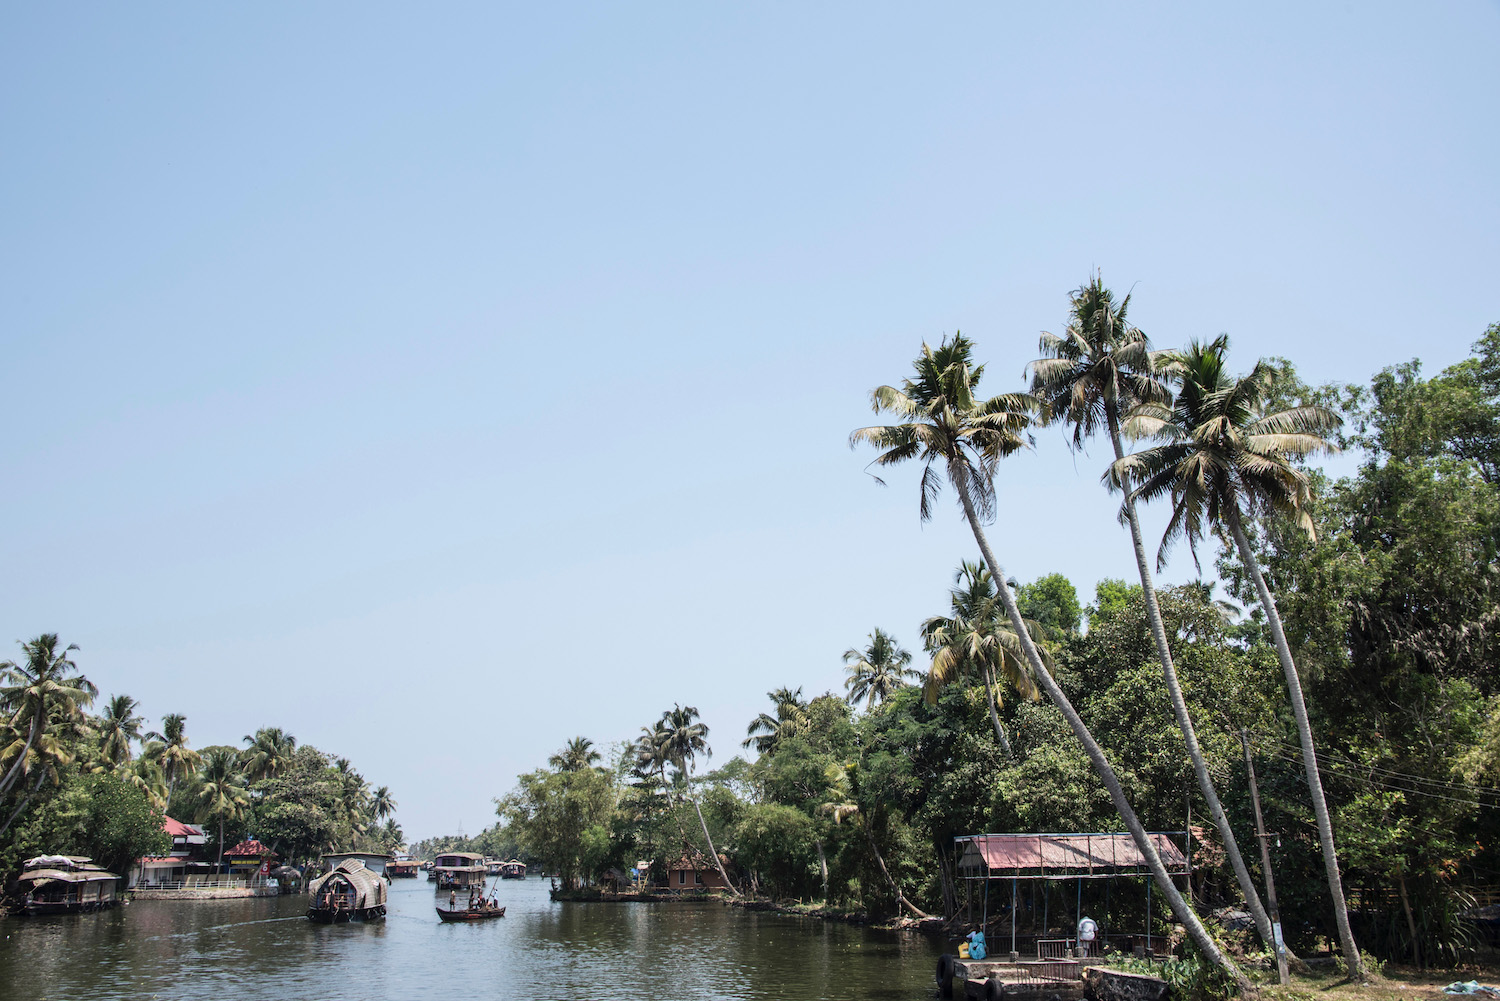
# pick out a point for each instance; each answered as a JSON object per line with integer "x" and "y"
{"x": 268, "y": 754}
{"x": 43, "y": 700}
{"x": 45, "y": 727}
{"x": 675, "y": 740}
{"x": 1219, "y": 451}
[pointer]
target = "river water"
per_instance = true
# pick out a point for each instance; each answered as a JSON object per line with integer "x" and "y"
{"x": 267, "y": 949}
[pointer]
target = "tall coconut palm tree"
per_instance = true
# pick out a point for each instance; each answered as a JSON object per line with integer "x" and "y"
{"x": 1223, "y": 458}
{"x": 392, "y": 838}
{"x": 877, "y": 671}
{"x": 268, "y": 754}
{"x": 382, "y": 803}
{"x": 950, "y": 430}
{"x": 119, "y": 727}
{"x": 170, "y": 750}
{"x": 578, "y": 755}
{"x": 354, "y": 797}
{"x": 766, "y": 732}
{"x": 977, "y": 639}
{"x": 682, "y": 738}
{"x": 43, "y": 759}
{"x": 1100, "y": 369}
{"x": 221, "y": 790}
{"x": 42, "y": 690}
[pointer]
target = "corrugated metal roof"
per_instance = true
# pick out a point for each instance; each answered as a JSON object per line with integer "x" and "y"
{"x": 1021, "y": 852}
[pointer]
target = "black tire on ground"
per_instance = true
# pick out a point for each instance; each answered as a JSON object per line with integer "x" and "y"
{"x": 993, "y": 989}
{"x": 945, "y": 974}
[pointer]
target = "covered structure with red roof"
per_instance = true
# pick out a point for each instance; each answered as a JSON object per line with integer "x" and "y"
{"x": 184, "y": 860}
{"x": 249, "y": 855}
{"x": 1060, "y": 928}
{"x": 185, "y": 837}
{"x": 1063, "y": 856}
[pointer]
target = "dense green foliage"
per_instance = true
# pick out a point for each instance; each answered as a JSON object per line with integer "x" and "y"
{"x": 1391, "y": 611}
{"x": 100, "y": 786}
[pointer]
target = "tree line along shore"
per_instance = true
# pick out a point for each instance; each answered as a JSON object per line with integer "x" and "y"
{"x": 1346, "y": 649}
{"x": 76, "y": 782}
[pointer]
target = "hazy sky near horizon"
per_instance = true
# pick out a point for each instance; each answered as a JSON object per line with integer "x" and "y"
{"x": 439, "y": 383}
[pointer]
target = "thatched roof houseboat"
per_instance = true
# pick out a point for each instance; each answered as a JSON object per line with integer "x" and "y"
{"x": 350, "y": 892}
{"x": 514, "y": 869}
{"x": 66, "y": 884}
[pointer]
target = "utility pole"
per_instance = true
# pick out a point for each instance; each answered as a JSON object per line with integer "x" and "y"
{"x": 1265, "y": 863}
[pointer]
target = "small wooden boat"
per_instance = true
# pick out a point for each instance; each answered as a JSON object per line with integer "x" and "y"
{"x": 471, "y": 914}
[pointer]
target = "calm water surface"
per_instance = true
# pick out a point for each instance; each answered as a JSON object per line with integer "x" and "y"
{"x": 267, "y": 949}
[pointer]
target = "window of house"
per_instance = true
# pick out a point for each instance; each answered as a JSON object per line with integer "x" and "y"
{"x": 697, "y": 877}
{"x": 681, "y": 877}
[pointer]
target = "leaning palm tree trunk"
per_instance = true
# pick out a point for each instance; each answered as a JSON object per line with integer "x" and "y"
{"x": 1304, "y": 734}
{"x": 1180, "y": 909}
{"x": 34, "y": 732}
{"x": 713, "y": 852}
{"x": 25, "y": 801}
{"x": 1179, "y": 705}
{"x": 895, "y": 887}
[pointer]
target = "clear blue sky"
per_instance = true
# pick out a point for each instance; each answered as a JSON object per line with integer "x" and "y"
{"x": 443, "y": 382}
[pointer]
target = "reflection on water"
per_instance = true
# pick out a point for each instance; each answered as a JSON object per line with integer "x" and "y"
{"x": 267, "y": 949}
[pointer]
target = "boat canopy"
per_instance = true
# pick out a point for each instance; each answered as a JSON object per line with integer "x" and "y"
{"x": 351, "y": 876}
{"x": 45, "y": 869}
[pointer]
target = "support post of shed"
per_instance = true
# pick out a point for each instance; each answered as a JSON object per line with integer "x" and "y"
{"x": 1078, "y": 920}
{"x": 1014, "y": 955}
{"x": 1148, "y": 916}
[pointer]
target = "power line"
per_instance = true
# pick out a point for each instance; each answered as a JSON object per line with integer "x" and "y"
{"x": 1330, "y": 758}
{"x": 1337, "y": 770}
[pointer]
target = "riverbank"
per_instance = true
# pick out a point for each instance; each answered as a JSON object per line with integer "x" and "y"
{"x": 1394, "y": 984}
{"x": 202, "y": 893}
{"x": 761, "y": 904}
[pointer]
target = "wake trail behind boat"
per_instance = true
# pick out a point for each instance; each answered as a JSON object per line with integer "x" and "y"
{"x": 232, "y": 924}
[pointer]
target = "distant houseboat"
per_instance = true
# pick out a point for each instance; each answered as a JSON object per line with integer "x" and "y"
{"x": 514, "y": 869}
{"x": 66, "y": 884}
{"x": 351, "y": 892}
{"x": 403, "y": 867}
{"x": 459, "y": 869}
